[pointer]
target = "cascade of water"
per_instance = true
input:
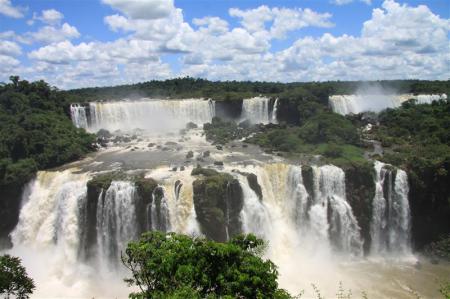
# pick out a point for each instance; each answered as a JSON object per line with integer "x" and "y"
{"x": 254, "y": 215}
{"x": 116, "y": 220}
{"x": 150, "y": 114}
{"x": 346, "y": 104}
{"x": 79, "y": 116}
{"x": 274, "y": 112}
{"x": 256, "y": 110}
{"x": 159, "y": 210}
{"x": 390, "y": 227}
{"x": 331, "y": 217}
{"x": 297, "y": 197}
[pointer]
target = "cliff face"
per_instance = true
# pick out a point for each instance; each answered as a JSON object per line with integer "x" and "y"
{"x": 228, "y": 109}
{"x": 218, "y": 201}
{"x": 10, "y": 202}
{"x": 429, "y": 199}
{"x": 360, "y": 191}
{"x": 288, "y": 112}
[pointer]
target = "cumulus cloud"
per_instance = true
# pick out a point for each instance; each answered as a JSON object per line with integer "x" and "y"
{"x": 284, "y": 19}
{"x": 397, "y": 41}
{"x": 48, "y": 16}
{"x": 9, "y": 48}
{"x": 143, "y": 9}
{"x": 7, "y": 9}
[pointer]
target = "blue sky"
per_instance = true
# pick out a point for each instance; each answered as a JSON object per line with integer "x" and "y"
{"x": 77, "y": 43}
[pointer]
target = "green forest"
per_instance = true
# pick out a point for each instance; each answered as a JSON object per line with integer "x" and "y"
{"x": 36, "y": 133}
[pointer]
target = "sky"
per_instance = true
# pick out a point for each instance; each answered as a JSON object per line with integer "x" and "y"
{"x": 82, "y": 43}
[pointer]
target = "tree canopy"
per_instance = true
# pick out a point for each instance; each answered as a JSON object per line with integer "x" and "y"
{"x": 14, "y": 280}
{"x": 36, "y": 131}
{"x": 178, "y": 266}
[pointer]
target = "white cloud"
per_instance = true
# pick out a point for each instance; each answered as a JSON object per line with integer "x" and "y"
{"x": 284, "y": 19}
{"x": 398, "y": 41}
{"x": 143, "y": 9}
{"x": 7, "y": 9}
{"x": 48, "y": 16}
{"x": 50, "y": 34}
{"x": 9, "y": 48}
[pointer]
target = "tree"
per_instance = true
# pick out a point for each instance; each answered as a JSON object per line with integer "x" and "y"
{"x": 178, "y": 266}
{"x": 14, "y": 279}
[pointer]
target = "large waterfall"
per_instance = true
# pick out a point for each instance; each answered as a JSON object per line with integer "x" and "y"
{"x": 148, "y": 114}
{"x": 390, "y": 228}
{"x": 357, "y": 103}
{"x": 323, "y": 217}
{"x": 302, "y": 211}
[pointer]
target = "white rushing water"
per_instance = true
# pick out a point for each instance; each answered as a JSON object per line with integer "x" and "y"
{"x": 390, "y": 227}
{"x": 310, "y": 230}
{"x": 256, "y": 110}
{"x": 148, "y": 114}
{"x": 357, "y": 103}
{"x": 78, "y": 114}
{"x": 116, "y": 220}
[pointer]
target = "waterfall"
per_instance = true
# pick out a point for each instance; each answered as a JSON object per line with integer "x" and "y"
{"x": 116, "y": 220}
{"x": 323, "y": 218}
{"x": 79, "y": 116}
{"x": 159, "y": 211}
{"x": 331, "y": 216}
{"x": 256, "y": 110}
{"x": 150, "y": 114}
{"x": 274, "y": 112}
{"x": 254, "y": 215}
{"x": 390, "y": 226}
{"x": 298, "y": 197}
{"x": 357, "y": 103}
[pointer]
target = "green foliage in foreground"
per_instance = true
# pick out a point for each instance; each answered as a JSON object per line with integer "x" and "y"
{"x": 177, "y": 266}
{"x": 35, "y": 131}
{"x": 14, "y": 280}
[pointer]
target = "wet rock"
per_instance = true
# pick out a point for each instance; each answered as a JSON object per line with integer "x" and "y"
{"x": 165, "y": 148}
{"x": 191, "y": 125}
{"x": 206, "y": 154}
{"x": 190, "y": 155}
{"x": 252, "y": 180}
{"x": 171, "y": 143}
{"x": 182, "y": 168}
{"x": 245, "y": 145}
{"x": 151, "y": 144}
{"x": 219, "y": 147}
{"x": 218, "y": 200}
{"x": 159, "y": 146}
{"x": 174, "y": 168}
{"x": 218, "y": 163}
{"x": 102, "y": 133}
{"x": 200, "y": 159}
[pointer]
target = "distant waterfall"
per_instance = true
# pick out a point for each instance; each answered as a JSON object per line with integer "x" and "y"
{"x": 274, "y": 112}
{"x": 390, "y": 228}
{"x": 78, "y": 114}
{"x": 116, "y": 219}
{"x": 150, "y": 114}
{"x": 256, "y": 110}
{"x": 357, "y": 103}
